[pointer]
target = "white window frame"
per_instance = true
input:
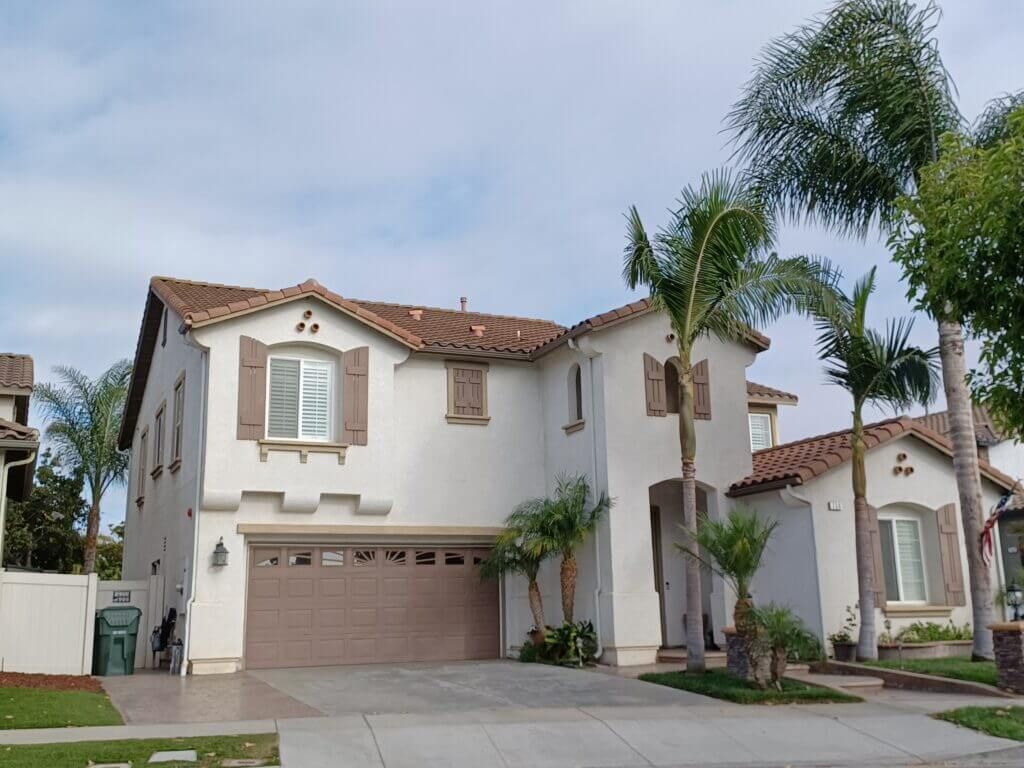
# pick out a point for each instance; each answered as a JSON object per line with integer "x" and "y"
{"x": 332, "y": 400}
{"x": 750, "y": 432}
{"x": 892, "y": 519}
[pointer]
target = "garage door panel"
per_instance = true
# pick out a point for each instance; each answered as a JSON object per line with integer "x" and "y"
{"x": 350, "y": 605}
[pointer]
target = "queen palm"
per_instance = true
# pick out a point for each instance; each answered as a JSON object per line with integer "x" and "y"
{"x": 838, "y": 121}
{"x": 712, "y": 272}
{"x": 84, "y": 418}
{"x": 876, "y": 368}
{"x": 509, "y": 555}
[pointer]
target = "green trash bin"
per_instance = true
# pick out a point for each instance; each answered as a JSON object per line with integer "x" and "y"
{"x": 117, "y": 630}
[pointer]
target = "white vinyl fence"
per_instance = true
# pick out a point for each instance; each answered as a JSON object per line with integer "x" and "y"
{"x": 47, "y": 620}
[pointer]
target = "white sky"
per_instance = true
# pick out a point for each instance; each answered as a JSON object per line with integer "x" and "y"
{"x": 406, "y": 151}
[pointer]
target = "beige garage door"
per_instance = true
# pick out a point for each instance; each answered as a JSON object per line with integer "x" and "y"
{"x": 319, "y": 605}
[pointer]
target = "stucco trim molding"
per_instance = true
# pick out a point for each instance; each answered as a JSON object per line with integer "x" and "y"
{"x": 362, "y": 532}
{"x": 917, "y": 611}
{"x": 369, "y": 505}
{"x": 221, "y": 500}
{"x": 574, "y": 426}
{"x": 302, "y": 448}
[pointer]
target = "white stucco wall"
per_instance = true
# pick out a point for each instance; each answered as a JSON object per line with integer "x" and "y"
{"x": 6, "y": 407}
{"x": 162, "y": 529}
{"x": 1008, "y": 457}
{"x": 931, "y": 486}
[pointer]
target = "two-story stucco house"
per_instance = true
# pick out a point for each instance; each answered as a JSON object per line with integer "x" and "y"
{"x": 318, "y": 477}
{"x": 18, "y": 441}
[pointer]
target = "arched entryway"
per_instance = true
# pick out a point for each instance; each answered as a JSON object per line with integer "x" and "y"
{"x": 666, "y": 509}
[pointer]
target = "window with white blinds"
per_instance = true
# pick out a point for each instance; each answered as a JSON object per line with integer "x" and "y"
{"x": 902, "y": 560}
{"x": 760, "y": 431}
{"x": 299, "y": 401}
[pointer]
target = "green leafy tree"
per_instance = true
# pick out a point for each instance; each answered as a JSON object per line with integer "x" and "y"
{"x": 44, "y": 531}
{"x": 510, "y": 555}
{"x": 558, "y": 526}
{"x": 837, "y": 123}
{"x": 110, "y": 553}
{"x": 880, "y": 369}
{"x": 84, "y": 418}
{"x": 712, "y": 272}
{"x": 960, "y": 241}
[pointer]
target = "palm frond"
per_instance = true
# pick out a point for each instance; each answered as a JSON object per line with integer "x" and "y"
{"x": 992, "y": 125}
{"x": 733, "y": 548}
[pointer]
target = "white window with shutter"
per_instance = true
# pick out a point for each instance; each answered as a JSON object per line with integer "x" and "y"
{"x": 300, "y": 399}
{"x": 760, "y": 431}
{"x": 903, "y": 560}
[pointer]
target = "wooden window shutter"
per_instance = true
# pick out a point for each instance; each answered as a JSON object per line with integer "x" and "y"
{"x": 252, "y": 388}
{"x": 468, "y": 397}
{"x": 355, "y": 396}
{"x": 949, "y": 552}
{"x": 654, "y": 386}
{"x": 701, "y": 391}
{"x": 878, "y": 567}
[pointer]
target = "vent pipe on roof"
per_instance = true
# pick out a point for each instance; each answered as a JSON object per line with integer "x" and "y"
{"x": 463, "y": 301}
{"x": 416, "y": 314}
{"x": 478, "y": 330}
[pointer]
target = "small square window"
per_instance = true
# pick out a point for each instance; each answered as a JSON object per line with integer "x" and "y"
{"x": 332, "y": 558}
{"x": 394, "y": 557}
{"x": 425, "y": 557}
{"x": 364, "y": 557}
{"x": 304, "y": 557}
{"x": 266, "y": 558}
{"x": 454, "y": 558}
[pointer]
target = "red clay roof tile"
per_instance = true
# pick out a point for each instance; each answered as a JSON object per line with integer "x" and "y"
{"x": 762, "y": 392}
{"x": 16, "y": 371}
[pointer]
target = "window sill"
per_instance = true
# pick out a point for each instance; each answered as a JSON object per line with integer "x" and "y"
{"x": 573, "y": 426}
{"x": 481, "y": 421}
{"x": 302, "y": 448}
{"x": 899, "y": 610}
{"x": 157, "y": 471}
{"x": 174, "y": 466}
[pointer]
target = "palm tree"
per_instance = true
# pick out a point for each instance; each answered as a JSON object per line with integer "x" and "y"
{"x": 875, "y": 368}
{"x": 509, "y": 555}
{"x": 84, "y": 418}
{"x": 837, "y": 123}
{"x": 558, "y": 526}
{"x": 711, "y": 271}
{"x": 733, "y": 548}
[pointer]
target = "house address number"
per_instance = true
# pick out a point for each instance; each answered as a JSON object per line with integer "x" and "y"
{"x": 122, "y": 596}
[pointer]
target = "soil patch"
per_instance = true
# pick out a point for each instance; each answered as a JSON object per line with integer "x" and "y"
{"x": 50, "y": 682}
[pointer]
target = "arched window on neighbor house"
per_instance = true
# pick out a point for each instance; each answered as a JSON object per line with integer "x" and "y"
{"x": 672, "y": 385}
{"x": 575, "y": 393}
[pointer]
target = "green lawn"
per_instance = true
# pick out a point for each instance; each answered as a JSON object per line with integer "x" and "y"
{"x": 1005, "y": 722}
{"x": 44, "y": 708}
{"x": 721, "y": 685}
{"x": 959, "y": 669}
{"x": 211, "y": 751}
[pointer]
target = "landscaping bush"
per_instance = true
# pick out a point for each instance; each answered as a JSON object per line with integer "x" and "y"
{"x": 571, "y": 644}
{"x": 783, "y": 633}
{"x": 930, "y": 632}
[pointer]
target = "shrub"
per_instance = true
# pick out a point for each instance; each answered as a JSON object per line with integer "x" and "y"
{"x": 571, "y": 644}
{"x": 930, "y": 632}
{"x": 783, "y": 633}
{"x": 529, "y": 653}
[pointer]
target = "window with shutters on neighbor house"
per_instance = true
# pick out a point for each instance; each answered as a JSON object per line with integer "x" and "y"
{"x": 467, "y": 393}
{"x": 299, "y": 401}
{"x": 761, "y": 436}
{"x": 661, "y": 387}
{"x": 903, "y": 560}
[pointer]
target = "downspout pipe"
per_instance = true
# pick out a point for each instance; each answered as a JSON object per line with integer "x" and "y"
{"x": 3, "y": 493}
{"x": 587, "y": 349}
{"x": 200, "y": 465}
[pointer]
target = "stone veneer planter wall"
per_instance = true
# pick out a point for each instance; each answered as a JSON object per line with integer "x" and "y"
{"x": 1008, "y": 639}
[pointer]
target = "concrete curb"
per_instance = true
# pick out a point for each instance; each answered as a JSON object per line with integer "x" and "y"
{"x": 914, "y": 681}
{"x": 120, "y": 732}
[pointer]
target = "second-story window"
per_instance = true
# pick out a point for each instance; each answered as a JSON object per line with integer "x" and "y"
{"x": 760, "y": 431}
{"x": 140, "y": 480}
{"x": 158, "y": 439}
{"x": 179, "y": 421}
{"x": 299, "y": 401}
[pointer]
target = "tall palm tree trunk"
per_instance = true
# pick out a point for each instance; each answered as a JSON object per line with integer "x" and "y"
{"x": 536, "y": 605}
{"x": 867, "y": 647}
{"x": 688, "y": 447}
{"x": 567, "y": 572}
{"x": 968, "y": 481}
{"x": 92, "y": 532}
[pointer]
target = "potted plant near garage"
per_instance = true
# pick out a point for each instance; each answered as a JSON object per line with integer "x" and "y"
{"x": 844, "y": 646}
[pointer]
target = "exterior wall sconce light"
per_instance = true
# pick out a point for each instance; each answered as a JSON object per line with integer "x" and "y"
{"x": 220, "y": 554}
{"x": 1014, "y": 598}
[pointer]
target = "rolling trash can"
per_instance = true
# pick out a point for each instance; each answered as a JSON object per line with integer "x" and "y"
{"x": 117, "y": 632}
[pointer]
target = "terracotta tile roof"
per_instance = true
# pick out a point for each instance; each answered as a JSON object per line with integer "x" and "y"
{"x": 628, "y": 311}
{"x": 797, "y": 462}
{"x": 11, "y": 430}
{"x": 985, "y": 430}
{"x": 15, "y": 371}
{"x": 419, "y": 327}
{"x": 763, "y": 393}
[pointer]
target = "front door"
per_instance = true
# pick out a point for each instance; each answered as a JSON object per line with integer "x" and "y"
{"x": 659, "y": 571}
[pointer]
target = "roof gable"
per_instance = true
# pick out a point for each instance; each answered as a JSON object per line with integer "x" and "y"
{"x": 798, "y": 462}
{"x": 762, "y": 394}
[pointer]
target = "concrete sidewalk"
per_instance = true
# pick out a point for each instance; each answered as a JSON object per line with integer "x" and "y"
{"x": 148, "y": 731}
{"x": 617, "y": 737}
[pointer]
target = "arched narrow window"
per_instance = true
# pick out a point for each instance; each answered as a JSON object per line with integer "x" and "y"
{"x": 575, "y": 393}
{"x": 672, "y": 385}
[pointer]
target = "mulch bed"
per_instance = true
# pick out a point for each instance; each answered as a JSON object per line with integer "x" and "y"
{"x": 50, "y": 682}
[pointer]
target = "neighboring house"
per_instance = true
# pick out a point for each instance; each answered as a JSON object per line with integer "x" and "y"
{"x": 763, "y": 414}
{"x": 919, "y": 550}
{"x": 356, "y": 460}
{"x": 1006, "y": 454}
{"x": 18, "y": 442}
